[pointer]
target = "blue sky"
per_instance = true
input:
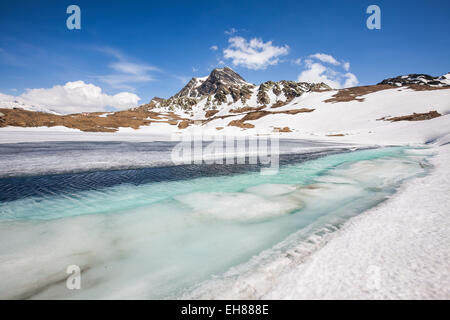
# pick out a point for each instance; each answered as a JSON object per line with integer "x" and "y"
{"x": 151, "y": 48}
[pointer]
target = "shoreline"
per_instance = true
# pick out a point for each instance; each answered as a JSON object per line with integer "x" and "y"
{"x": 396, "y": 250}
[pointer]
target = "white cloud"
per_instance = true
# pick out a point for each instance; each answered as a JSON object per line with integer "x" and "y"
{"x": 230, "y": 31}
{"x": 126, "y": 73}
{"x": 351, "y": 80}
{"x": 214, "y": 48}
{"x": 326, "y": 58}
{"x": 317, "y": 72}
{"x": 132, "y": 68}
{"x": 76, "y": 96}
{"x": 182, "y": 79}
{"x": 297, "y": 61}
{"x": 346, "y": 66}
{"x": 124, "y": 81}
{"x": 254, "y": 54}
{"x": 6, "y": 97}
{"x": 194, "y": 69}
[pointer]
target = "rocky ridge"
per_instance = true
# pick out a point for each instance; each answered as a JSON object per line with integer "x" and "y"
{"x": 419, "y": 79}
{"x": 225, "y": 87}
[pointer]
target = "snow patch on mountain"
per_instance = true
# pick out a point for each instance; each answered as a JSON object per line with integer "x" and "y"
{"x": 11, "y": 102}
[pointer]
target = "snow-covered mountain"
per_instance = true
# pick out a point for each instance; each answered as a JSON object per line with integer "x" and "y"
{"x": 224, "y": 89}
{"x": 420, "y": 79}
{"x": 218, "y": 80}
{"x": 405, "y": 109}
{"x": 225, "y": 103}
{"x": 10, "y": 102}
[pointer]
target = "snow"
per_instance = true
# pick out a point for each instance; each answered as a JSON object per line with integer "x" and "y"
{"x": 397, "y": 250}
{"x": 59, "y": 133}
{"x": 445, "y": 79}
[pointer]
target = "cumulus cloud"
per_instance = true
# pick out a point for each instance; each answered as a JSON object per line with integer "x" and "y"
{"x": 316, "y": 71}
{"x": 253, "y": 54}
{"x": 74, "y": 97}
{"x": 6, "y": 97}
{"x": 350, "y": 80}
{"x": 214, "y": 48}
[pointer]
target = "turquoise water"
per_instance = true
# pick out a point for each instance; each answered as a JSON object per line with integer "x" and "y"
{"x": 158, "y": 239}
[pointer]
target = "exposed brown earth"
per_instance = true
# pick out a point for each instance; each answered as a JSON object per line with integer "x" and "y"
{"x": 132, "y": 118}
{"x": 259, "y": 114}
{"x": 241, "y": 124}
{"x": 184, "y": 124}
{"x": 246, "y": 109}
{"x": 336, "y": 135}
{"x": 210, "y": 113}
{"x": 295, "y": 111}
{"x": 255, "y": 115}
{"x": 416, "y": 117}
{"x": 90, "y": 122}
{"x": 279, "y": 103}
{"x": 355, "y": 93}
{"x": 285, "y": 129}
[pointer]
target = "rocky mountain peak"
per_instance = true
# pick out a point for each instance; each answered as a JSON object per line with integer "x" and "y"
{"x": 217, "y": 79}
{"x": 226, "y": 76}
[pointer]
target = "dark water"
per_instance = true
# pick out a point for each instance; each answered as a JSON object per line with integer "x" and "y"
{"x": 49, "y": 157}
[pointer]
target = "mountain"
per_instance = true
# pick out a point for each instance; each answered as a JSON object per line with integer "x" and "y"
{"x": 10, "y": 102}
{"x": 420, "y": 79}
{"x": 218, "y": 79}
{"x": 224, "y": 87}
{"x": 224, "y": 102}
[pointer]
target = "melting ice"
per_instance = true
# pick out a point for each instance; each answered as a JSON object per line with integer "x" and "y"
{"x": 158, "y": 239}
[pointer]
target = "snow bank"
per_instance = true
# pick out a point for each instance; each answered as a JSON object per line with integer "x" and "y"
{"x": 398, "y": 250}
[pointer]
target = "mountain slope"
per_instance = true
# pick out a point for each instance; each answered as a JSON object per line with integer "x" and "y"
{"x": 224, "y": 90}
{"x": 420, "y": 79}
{"x": 10, "y": 102}
{"x": 224, "y": 103}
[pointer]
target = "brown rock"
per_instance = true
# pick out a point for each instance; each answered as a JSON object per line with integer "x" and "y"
{"x": 241, "y": 124}
{"x": 285, "y": 129}
{"x": 184, "y": 124}
{"x": 210, "y": 113}
{"x": 416, "y": 117}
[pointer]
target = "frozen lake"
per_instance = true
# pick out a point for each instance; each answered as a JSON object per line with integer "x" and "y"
{"x": 139, "y": 227}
